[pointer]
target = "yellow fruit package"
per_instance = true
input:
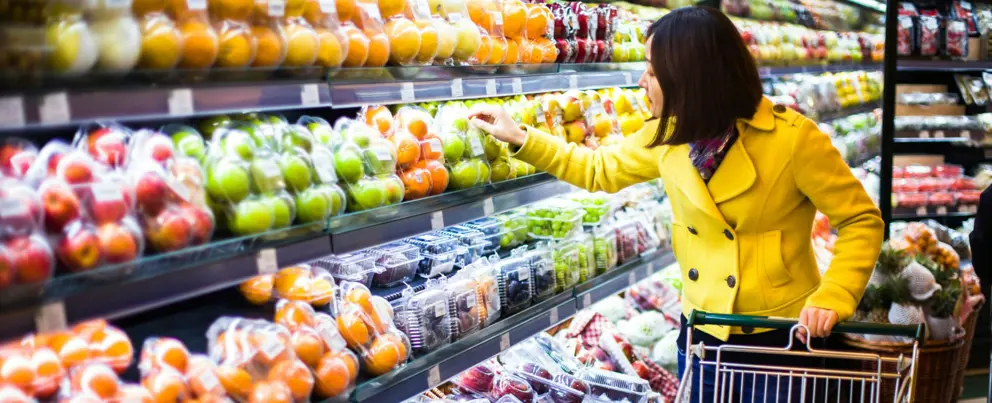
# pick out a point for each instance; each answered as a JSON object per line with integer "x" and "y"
{"x": 332, "y": 40}
{"x": 200, "y": 44}
{"x": 269, "y": 32}
{"x": 237, "y": 46}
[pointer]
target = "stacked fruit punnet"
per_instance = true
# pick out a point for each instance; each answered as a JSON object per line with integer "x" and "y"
{"x": 236, "y": 37}
{"x": 308, "y": 169}
{"x": 317, "y": 343}
{"x": 25, "y": 256}
{"x": 366, "y": 324}
{"x": 368, "y": 42}
{"x": 464, "y": 147}
{"x": 366, "y": 162}
{"x": 333, "y": 41}
{"x": 420, "y": 153}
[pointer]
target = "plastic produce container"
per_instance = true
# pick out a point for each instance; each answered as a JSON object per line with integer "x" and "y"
{"x": 566, "y": 258}
{"x": 398, "y": 262}
{"x": 463, "y": 304}
{"x": 604, "y": 249}
{"x": 614, "y": 386}
{"x": 515, "y": 285}
{"x": 627, "y": 241}
{"x": 542, "y": 271}
{"x": 438, "y": 253}
{"x": 597, "y": 206}
{"x": 473, "y": 241}
{"x": 492, "y": 228}
{"x": 358, "y": 267}
{"x": 554, "y": 219}
{"x": 425, "y": 319}
{"x": 514, "y": 230}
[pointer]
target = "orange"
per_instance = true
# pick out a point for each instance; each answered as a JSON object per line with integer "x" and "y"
{"x": 271, "y": 46}
{"x": 389, "y": 8}
{"x": 346, "y": 9}
{"x": 416, "y": 125}
{"x": 167, "y": 351}
{"x": 96, "y": 379}
{"x": 330, "y": 53}
{"x": 237, "y": 10}
{"x": 479, "y": 14}
{"x": 429, "y": 42}
{"x": 380, "y": 118}
{"x": 512, "y": 51}
{"x": 497, "y": 49}
{"x": 294, "y": 314}
{"x": 293, "y": 283}
{"x": 200, "y": 45}
{"x": 482, "y": 55}
{"x": 161, "y": 43}
{"x": 296, "y": 8}
{"x": 302, "y": 45}
{"x": 407, "y": 148}
{"x": 165, "y": 385}
{"x": 353, "y": 329}
{"x": 18, "y": 371}
{"x": 48, "y": 370}
{"x": 383, "y": 355}
{"x": 439, "y": 176}
{"x": 271, "y": 348}
{"x": 431, "y": 148}
{"x": 335, "y": 373}
{"x": 308, "y": 346}
{"x": 404, "y": 40}
{"x": 72, "y": 349}
{"x": 295, "y": 375}
{"x": 358, "y": 46}
{"x": 237, "y": 46}
{"x": 514, "y": 18}
{"x": 313, "y": 14}
{"x": 201, "y": 376}
{"x": 258, "y": 289}
{"x": 321, "y": 292}
{"x": 534, "y": 53}
{"x": 537, "y": 21}
{"x": 236, "y": 381}
{"x": 548, "y": 50}
{"x": 378, "y": 49}
{"x": 270, "y": 392}
{"x": 360, "y": 296}
{"x": 114, "y": 347}
{"x": 135, "y": 393}
{"x": 417, "y": 182}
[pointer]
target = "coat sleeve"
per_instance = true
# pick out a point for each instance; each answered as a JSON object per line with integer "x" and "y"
{"x": 608, "y": 168}
{"x": 823, "y": 177}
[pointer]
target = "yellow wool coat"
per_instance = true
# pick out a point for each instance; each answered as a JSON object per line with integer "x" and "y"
{"x": 743, "y": 239}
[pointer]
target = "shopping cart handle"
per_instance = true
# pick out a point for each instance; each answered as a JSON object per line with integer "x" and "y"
{"x": 699, "y": 318}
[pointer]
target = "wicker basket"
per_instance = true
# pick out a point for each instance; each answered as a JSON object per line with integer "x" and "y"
{"x": 969, "y": 336}
{"x": 937, "y": 367}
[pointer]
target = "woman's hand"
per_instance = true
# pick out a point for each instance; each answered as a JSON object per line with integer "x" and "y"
{"x": 498, "y": 123}
{"x": 819, "y": 321}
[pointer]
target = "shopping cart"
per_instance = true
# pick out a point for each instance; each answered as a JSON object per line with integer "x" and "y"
{"x": 852, "y": 377}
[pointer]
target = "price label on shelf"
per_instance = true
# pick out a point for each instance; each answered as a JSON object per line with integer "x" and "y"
{"x": 573, "y": 82}
{"x": 266, "y": 261}
{"x": 181, "y": 102}
{"x": 504, "y": 342}
{"x": 924, "y": 134}
{"x": 962, "y": 209}
{"x": 491, "y": 87}
{"x": 586, "y": 300}
{"x": 651, "y": 268}
{"x": 966, "y": 134}
{"x": 437, "y": 220}
{"x": 457, "y": 90}
{"x": 50, "y": 317}
{"x": 938, "y": 134}
{"x": 487, "y": 207}
{"x": 941, "y": 210}
{"x": 407, "y": 94}
{"x": 631, "y": 278}
{"x": 554, "y": 316}
{"x": 921, "y": 210}
{"x": 628, "y": 78}
{"x": 310, "y": 95}
{"x": 11, "y": 111}
{"x": 517, "y": 85}
{"x": 433, "y": 377}
{"x": 54, "y": 108}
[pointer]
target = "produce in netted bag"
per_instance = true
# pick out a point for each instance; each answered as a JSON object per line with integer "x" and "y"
{"x": 920, "y": 281}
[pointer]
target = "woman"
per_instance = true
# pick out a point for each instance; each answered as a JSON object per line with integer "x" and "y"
{"x": 745, "y": 178}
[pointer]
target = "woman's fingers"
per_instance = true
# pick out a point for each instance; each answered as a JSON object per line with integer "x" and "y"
{"x": 482, "y": 124}
{"x": 819, "y": 321}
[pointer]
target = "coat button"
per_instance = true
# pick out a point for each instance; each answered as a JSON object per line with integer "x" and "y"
{"x": 778, "y": 108}
{"x": 747, "y": 329}
{"x": 728, "y": 234}
{"x": 731, "y": 281}
{"x": 693, "y": 274}
{"x": 693, "y": 231}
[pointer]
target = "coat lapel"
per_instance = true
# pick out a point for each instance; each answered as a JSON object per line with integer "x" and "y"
{"x": 677, "y": 166}
{"x": 736, "y": 174}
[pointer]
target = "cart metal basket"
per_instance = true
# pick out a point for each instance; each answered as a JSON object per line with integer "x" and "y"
{"x": 752, "y": 381}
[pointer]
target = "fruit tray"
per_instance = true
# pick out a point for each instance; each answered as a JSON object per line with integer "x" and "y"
{"x": 492, "y": 228}
{"x": 605, "y": 250}
{"x": 514, "y": 228}
{"x": 463, "y": 304}
{"x": 515, "y": 285}
{"x": 425, "y": 319}
{"x": 542, "y": 270}
{"x": 510, "y": 385}
{"x": 474, "y": 242}
{"x": 398, "y": 262}
{"x": 556, "y": 219}
{"x": 546, "y": 387}
{"x": 615, "y": 386}
{"x": 477, "y": 380}
{"x": 597, "y": 207}
{"x": 627, "y": 241}
{"x": 438, "y": 253}
{"x": 566, "y": 266}
{"x": 358, "y": 267}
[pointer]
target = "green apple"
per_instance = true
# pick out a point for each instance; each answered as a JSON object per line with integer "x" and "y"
{"x": 323, "y": 133}
{"x": 519, "y": 167}
{"x": 460, "y": 124}
{"x": 464, "y": 174}
{"x": 454, "y": 147}
{"x": 475, "y": 140}
{"x": 334, "y": 195}
{"x": 483, "y": 167}
{"x": 493, "y": 148}
{"x": 295, "y": 171}
{"x": 348, "y": 164}
{"x": 283, "y": 209}
{"x": 251, "y": 217}
{"x": 297, "y": 136}
{"x": 394, "y": 189}
{"x": 369, "y": 193}
{"x": 228, "y": 181}
{"x": 266, "y": 175}
{"x": 209, "y": 125}
{"x": 381, "y": 160}
{"x": 190, "y": 143}
{"x": 360, "y": 134}
{"x": 312, "y": 205}
{"x": 237, "y": 143}
{"x": 501, "y": 170}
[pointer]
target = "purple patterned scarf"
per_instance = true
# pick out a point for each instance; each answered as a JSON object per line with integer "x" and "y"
{"x": 706, "y": 155}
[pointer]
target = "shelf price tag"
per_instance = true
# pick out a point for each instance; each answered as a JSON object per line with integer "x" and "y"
{"x": 310, "y": 95}
{"x": 266, "y": 261}
{"x": 433, "y": 377}
{"x": 54, "y": 108}
{"x": 586, "y": 300}
{"x": 11, "y": 112}
{"x": 631, "y": 278}
{"x": 504, "y": 342}
{"x": 181, "y": 102}
{"x": 457, "y": 90}
{"x": 921, "y": 211}
{"x": 491, "y": 87}
{"x": 554, "y": 316}
{"x": 437, "y": 220}
{"x": 573, "y": 82}
{"x": 518, "y": 85}
{"x": 924, "y": 134}
{"x": 407, "y": 94}
{"x": 51, "y": 317}
{"x": 628, "y": 78}
{"x": 941, "y": 210}
{"x": 487, "y": 207}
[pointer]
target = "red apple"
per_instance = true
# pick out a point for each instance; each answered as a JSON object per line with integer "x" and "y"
{"x": 150, "y": 192}
{"x": 80, "y": 248}
{"x": 159, "y": 147}
{"x": 32, "y": 259}
{"x": 478, "y": 379}
{"x": 747, "y": 36}
{"x": 59, "y": 203}
{"x": 169, "y": 231}
{"x": 107, "y": 145}
{"x": 107, "y": 203}
{"x": 20, "y": 209}
{"x": 75, "y": 169}
{"x": 6, "y": 268}
{"x": 202, "y": 223}
{"x": 119, "y": 244}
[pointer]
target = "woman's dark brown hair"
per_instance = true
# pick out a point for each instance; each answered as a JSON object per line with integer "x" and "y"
{"x": 708, "y": 78}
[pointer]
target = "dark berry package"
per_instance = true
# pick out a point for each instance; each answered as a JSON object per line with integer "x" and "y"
{"x": 905, "y": 34}
{"x": 956, "y": 38}
{"x": 928, "y": 33}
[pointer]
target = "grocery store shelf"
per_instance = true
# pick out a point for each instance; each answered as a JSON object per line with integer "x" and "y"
{"x": 374, "y": 227}
{"x": 119, "y": 291}
{"x": 767, "y": 72}
{"x": 428, "y": 371}
{"x": 942, "y": 65}
{"x": 922, "y": 213}
{"x": 854, "y": 110}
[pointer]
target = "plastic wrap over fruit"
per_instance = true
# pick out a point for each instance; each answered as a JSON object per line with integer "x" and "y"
{"x": 542, "y": 270}
{"x": 438, "y": 253}
{"x": 554, "y": 219}
{"x": 464, "y": 147}
{"x": 516, "y": 286}
{"x": 425, "y": 316}
{"x": 366, "y": 323}
{"x": 463, "y": 306}
{"x": 358, "y": 267}
{"x": 308, "y": 169}
{"x": 304, "y": 283}
{"x": 333, "y": 43}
